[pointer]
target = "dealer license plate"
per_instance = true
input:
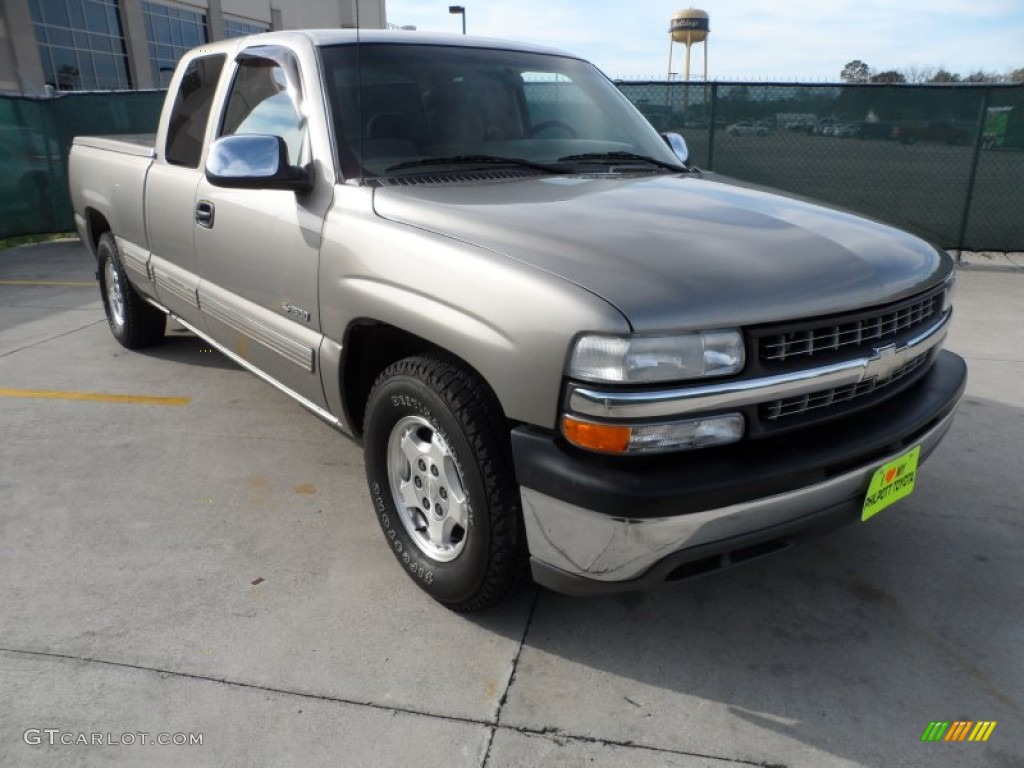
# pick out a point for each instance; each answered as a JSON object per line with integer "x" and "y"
{"x": 890, "y": 483}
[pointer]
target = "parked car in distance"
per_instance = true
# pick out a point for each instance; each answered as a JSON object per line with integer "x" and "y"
{"x": 938, "y": 131}
{"x": 747, "y": 128}
{"x": 824, "y": 126}
{"x": 846, "y": 130}
{"x": 800, "y": 125}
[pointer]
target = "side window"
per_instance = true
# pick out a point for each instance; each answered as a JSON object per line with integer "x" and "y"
{"x": 191, "y": 111}
{"x": 259, "y": 103}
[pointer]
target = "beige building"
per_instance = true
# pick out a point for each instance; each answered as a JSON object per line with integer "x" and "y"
{"x": 70, "y": 45}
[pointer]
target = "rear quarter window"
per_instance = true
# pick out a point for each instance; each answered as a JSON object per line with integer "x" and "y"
{"x": 190, "y": 114}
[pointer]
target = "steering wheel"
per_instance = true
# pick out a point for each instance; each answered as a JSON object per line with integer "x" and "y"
{"x": 550, "y": 124}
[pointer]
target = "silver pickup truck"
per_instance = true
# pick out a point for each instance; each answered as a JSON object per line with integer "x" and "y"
{"x": 564, "y": 350}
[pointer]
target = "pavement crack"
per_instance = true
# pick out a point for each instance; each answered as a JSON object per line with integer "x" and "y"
{"x": 492, "y": 726}
{"x": 561, "y": 737}
{"x": 487, "y": 747}
{"x": 392, "y": 709}
{"x": 511, "y": 677}
{"x": 53, "y": 338}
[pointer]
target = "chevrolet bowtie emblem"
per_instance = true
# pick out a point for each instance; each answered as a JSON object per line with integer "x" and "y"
{"x": 885, "y": 362}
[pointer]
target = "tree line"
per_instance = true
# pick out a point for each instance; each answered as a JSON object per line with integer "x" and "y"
{"x": 857, "y": 71}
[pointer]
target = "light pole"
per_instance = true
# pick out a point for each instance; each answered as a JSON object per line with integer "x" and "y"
{"x": 461, "y": 11}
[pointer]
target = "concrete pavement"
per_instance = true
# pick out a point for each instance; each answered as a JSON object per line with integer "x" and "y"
{"x": 214, "y": 568}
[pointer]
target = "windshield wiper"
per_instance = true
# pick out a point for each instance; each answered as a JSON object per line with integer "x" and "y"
{"x": 612, "y": 158}
{"x": 518, "y": 162}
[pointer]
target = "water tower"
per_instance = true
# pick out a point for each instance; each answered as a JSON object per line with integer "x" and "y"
{"x": 688, "y": 27}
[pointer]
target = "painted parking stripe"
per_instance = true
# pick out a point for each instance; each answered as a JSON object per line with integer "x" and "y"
{"x": 71, "y": 283}
{"x": 99, "y": 397}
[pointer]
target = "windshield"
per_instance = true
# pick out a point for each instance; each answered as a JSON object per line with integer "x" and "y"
{"x": 419, "y": 108}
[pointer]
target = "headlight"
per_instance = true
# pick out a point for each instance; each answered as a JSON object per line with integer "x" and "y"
{"x": 690, "y": 434}
{"x": 643, "y": 359}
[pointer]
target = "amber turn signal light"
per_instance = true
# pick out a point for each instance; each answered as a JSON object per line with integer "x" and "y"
{"x": 596, "y": 437}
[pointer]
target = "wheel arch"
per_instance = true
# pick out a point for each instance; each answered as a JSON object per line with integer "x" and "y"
{"x": 370, "y": 346}
{"x": 96, "y": 225}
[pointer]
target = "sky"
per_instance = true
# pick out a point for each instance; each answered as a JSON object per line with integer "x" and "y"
{"x": 801, "y": 40}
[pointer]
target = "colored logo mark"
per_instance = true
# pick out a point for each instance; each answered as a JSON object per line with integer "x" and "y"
{"x": 958, "y": 730}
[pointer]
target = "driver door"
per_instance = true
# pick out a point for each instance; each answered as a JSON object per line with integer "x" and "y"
{"x": 258, "y": 250}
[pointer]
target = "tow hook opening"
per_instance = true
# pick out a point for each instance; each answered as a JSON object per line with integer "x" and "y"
{"x": 732, "y": 557}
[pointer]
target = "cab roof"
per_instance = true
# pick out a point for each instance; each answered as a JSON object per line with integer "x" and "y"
{"x": 328, "y": 37}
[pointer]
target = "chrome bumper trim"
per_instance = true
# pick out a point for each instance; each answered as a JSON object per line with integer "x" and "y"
{"x": 601, "y": 547}
{"x": 612, "y": 404}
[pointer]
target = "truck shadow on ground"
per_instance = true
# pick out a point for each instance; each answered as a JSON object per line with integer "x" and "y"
{"x": 850, "y": 644}
{"x": 183, "y": 346}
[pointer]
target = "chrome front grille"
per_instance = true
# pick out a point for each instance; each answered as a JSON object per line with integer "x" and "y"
{"x": 801, "y": 404}
{"x": 797, "y": 344}
{"x": 897, "y": 344}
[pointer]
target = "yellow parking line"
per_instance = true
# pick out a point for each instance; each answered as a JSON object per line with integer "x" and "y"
{"x": 72, "y": 283}
{"x": 100, "y": 397}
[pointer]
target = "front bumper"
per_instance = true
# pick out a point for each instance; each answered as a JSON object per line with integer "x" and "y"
{"x": 598, "y": 524}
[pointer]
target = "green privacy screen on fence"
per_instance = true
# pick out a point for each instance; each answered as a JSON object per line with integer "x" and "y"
{"x": 944, "y": 162}
{"x": 35, "y": 136}
{"x": 929, "y": 159}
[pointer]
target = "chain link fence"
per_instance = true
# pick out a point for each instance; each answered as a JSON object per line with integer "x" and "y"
{"x": 945, "y": 162}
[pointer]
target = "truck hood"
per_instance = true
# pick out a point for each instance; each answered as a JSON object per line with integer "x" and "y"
{"x": 678, "y": 252}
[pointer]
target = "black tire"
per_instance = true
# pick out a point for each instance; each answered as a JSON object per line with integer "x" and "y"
{"x": 436, "y": 401}
{"x": 135, "y": 324}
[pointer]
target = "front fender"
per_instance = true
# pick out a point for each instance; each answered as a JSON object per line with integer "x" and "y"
{"x": 512, "y": 322}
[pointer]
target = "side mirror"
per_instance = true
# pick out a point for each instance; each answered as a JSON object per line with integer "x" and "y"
{"x": 254, "y": 161}
{"x": 678, "y": 145}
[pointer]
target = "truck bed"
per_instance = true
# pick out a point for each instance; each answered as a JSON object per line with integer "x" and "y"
{"x": 141, "y": 144}
{"x": 108, "y": 173}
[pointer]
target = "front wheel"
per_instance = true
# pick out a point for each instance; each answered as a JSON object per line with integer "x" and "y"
{"x": 133, "y": 322}
{"x": 439, "y": 469}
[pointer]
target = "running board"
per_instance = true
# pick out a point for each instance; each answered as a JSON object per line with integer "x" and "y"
{"x": 327, "y": 416}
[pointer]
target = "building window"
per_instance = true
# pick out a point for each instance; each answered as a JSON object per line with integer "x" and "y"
{"x": 239, "y": 28}
{"x": 81, "y": 44}
{"x": 170, "y": 32}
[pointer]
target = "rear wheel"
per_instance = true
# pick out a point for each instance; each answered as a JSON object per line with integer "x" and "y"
{"x": 440, "y": 474}
{"x": 133, "y": 322}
